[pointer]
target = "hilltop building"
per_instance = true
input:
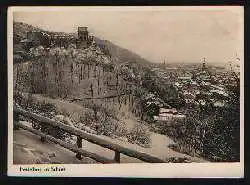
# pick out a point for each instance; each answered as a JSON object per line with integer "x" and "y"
{"x": 47, "y": 39}
{"x": 83, "y": 37}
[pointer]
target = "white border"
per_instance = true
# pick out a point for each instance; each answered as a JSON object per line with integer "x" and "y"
{"x": 193, "y": 170}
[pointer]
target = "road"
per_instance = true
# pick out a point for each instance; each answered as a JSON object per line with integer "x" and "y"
{"x": 28, "y": 149}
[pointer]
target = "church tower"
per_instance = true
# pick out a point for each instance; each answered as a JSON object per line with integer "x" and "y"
{"x": 204, "y": 67}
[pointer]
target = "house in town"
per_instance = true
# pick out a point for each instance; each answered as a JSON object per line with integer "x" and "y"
{"x": 168, "y": 114}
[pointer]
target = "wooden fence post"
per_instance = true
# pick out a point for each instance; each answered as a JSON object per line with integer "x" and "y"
{"x": 43, "y": 139}
{"x": 117, "y": 156}
{"x": 79, "y": 145}
{"x": 43, "y": 129}
{"x": 15, "y": 121}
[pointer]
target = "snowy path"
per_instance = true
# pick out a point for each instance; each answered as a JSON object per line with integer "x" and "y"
{"x": 159, "y": 148}
{"x": 159, "y": 145}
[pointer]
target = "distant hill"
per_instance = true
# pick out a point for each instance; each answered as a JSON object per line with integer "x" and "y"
{"x": 20, "y": 29}
{"x": 120, "y": 54}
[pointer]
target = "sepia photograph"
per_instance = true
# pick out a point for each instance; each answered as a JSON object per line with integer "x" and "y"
{"x": 117, "y": 88}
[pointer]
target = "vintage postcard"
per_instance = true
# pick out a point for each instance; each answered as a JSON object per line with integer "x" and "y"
{"x": 126, "y": 91}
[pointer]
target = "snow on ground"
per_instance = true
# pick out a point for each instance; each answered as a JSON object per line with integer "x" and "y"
{"x": 28, "y": 149}
{"x": 61, "y": 105}
{"x": 159, "y": 143}
{"x": 159, "y": 148}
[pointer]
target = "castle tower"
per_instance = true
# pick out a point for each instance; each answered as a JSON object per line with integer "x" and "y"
{"x": 83, "y": 34}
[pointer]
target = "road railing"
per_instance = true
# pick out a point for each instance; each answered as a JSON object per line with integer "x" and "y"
{"x": 118, "y": 149}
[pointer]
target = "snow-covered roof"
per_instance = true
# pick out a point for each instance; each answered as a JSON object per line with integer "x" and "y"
{"x": 217, "y": 87}
{"x": 219, "y": 104}
{"x": 202, "y": 102}
{"x": 25, "y": 40}
{"x": 164, "y": 110}
{"x": 219, "y": 92}
{"x": 165, "y": 115}
{"x": 185, "y": 77}
{"x": 178, "y": 84}
{"x": 193, "y": 82}
{"x": 180, "y": 116}
{"x": 197, "y": 92}
{"x": 187, "y": 93}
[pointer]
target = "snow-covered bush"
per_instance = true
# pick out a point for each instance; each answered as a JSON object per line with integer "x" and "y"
{"x": 112, "y": 127}
{"x": 87, "y": 118}
{"x": 139, "y": 135}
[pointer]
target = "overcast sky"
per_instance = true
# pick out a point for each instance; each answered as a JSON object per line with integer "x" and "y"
{"x": 178, "y": 34}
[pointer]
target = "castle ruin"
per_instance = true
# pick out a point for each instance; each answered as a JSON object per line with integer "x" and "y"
{"x": 84, "y": 39}
{"x": 35, "y": 38}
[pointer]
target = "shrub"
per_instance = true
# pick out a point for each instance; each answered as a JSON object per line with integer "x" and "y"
{"x": 63, "y": 111}
{"x": 87, "y": 118}
{"x": 30, "y": 101}
{"x": 112, "y": 127}
{"x": 110, "y": 112}
{"x": 140, "y": 135}
{"x": 25, "y": 101}
{"x": 47, "y": 107}
{"x": 121, "y": 129}
{"x": 18, "y": 97}
{"x": 106, "y": 127}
